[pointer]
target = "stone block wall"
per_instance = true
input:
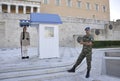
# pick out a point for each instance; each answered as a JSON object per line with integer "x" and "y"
{"x": 11, "y": 30}
{"x": 74, "y": 27}
{"x": 68, "y": 31}
{"x": 112, "y": 30}
{"x": 111, "y": 63}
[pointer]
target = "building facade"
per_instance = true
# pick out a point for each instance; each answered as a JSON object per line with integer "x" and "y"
{"x": 87, "y": 9}
{"x": 75, "y": 15}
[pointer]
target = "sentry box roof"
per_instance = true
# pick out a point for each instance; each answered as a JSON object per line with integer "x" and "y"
{"x": 43, "y": 18}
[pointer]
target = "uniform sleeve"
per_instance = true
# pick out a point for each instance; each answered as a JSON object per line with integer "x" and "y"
{"x": 91, "y": 39}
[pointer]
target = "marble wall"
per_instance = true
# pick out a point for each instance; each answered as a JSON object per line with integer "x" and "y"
{"x": 68, "y": 31}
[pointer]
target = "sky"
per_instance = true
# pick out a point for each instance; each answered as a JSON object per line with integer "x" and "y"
{"x": 114, "y": 10}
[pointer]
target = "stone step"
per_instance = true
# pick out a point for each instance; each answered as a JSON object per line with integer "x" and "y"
{"x": 37, "y": 72}
{"x": 16, "y": 71}
{"x": 24, "y": 73}
{"x": 59, "y": 76}
{"x": 34, "y": 66}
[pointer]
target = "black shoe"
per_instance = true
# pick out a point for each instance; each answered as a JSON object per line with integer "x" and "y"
{"x": 88, "y": 74}
{"x": 23, "y": 57}
{"x": 71, "y": 70}
{"x": 27, "y": 57}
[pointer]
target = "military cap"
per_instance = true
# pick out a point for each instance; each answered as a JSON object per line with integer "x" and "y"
{"x": 87, "y": 28}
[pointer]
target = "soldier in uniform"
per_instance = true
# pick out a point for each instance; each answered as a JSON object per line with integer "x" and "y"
{"x": 87, "y": 42}
{"x": 24, "y": 42}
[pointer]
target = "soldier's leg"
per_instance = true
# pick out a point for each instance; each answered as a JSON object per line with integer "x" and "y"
{"x": 26, "y": 52}
{"x": 23, "y": 52}
{"x": 79, "y": 60}
{"x": 88, "y": 60}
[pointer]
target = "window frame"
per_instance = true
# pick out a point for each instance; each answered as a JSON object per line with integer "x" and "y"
{"x": 79, "y": 4}
{"x": 97, "y": 7}
{"x": 57, "y": 3}
{"x": 28, "y": 9}
{"x": 13, "y": 8}
{"x": 46, "y": 2}
{"x": 20, "y": 9}
{"x": 69, "y": 4}
{"x": 104, "y": 9}
{"x": 88, "y": 6}
{"x": 4, "y": 8}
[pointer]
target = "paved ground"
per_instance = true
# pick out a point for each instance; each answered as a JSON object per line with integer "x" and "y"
{"x": 11, "y": 57}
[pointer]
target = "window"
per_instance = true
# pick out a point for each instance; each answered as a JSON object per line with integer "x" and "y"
{"x": 20, "y": 9}
{"x": 13, "y": 8}
{"x": 88, "y": 6}
{"x": 4, "y": 8}
{"x": 34, "y": 9}
{"x": 58, "y": 2}
{"x": 46, "y": 1}
{"x": 96, "y": 7}
{"x": 69, "y": 3}
{"x": 104, "y": 8}
{"x": 49, "y": 32}
{"x": 28, "y": 9}
{"x": 79, "y": 4}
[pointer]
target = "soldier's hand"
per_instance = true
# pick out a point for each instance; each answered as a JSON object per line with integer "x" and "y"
{"x": 89, "y": 43}
{"x": 84, "y": 43}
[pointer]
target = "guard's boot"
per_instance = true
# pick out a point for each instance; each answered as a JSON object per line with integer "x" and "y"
{"x": 23, "y": 57}
{"x": 88, "y": 74}
{"x": 72, "y": 69}
{"x": 27, "y": 57}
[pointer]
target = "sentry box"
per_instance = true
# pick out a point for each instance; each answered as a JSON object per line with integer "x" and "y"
{"x": 47, "y": 25}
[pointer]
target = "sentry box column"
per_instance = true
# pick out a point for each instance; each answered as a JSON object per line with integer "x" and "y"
{"x": 48, "y": 33}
